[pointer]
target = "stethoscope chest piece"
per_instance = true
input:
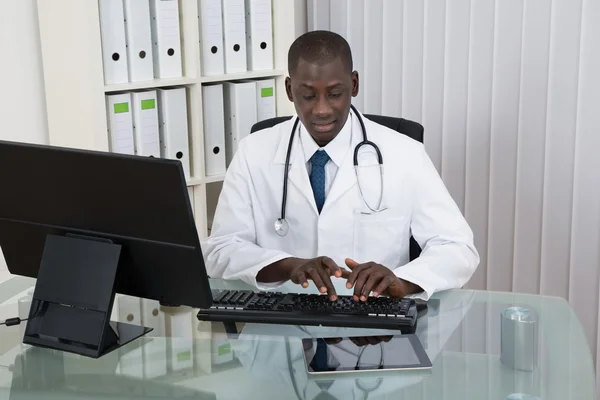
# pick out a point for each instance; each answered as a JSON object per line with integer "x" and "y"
{"x": 281, "y": 227}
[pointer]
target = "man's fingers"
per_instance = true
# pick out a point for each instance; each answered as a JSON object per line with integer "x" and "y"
{"x": 354, "y": 274}
{"x": 370, "y": 284}
{"x": 316, "y": 278}
{"x": 299, "y": 278}
{"x": 326, "y": 278}
{"x": 346, "y": 274}
{"x": 351, "y": 263}
{"x": 334, "y": 269}
{"x": 384, "y": 284}
{"x": 361, "y": 279}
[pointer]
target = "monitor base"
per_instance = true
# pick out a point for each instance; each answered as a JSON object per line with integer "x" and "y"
{"x": 74, "y": 296}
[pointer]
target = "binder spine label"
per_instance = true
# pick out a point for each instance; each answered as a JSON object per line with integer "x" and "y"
{"x": 266, "y": 92}
{"x": 148, "y": 104}
{"x": 121, "y": 108}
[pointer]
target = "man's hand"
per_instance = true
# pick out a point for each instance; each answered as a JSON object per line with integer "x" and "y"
{"x": 319, "y": 270}
{"x": 372, "y": 277}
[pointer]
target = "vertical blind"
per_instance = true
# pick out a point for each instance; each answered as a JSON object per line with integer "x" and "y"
{"x": 509, "y": 94}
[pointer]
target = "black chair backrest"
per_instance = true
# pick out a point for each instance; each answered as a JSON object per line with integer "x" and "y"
{"x": 409, "y": 128}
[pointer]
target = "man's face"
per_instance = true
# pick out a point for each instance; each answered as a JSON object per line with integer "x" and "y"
{"x": 322, "y": 96}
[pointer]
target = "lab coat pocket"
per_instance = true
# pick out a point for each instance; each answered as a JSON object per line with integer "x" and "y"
{"x": 381, "y": 237}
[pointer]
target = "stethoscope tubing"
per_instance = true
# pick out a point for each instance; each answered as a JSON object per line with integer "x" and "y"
{"x": 364, "y": 142}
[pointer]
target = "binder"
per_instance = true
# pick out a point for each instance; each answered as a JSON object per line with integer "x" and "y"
{"x": 214, "y": 129}
{"x": 166, "y": 38}
{"x": 240, "y": 114}
{"x": 131, "y": 361}
{"x": 114, "y": 53}
{"x": 145, "y": 124}
{"x": 179, "y": 328}
{"x": 139, "y": 40}
{"x": 211, "y": 38}
{"x": 265, "y": 99}
{"x": 120, "y": 123}
{"x": 173, "y": 126}
{"x": 259, "y": 31}
{"x": 155, "y": 351}
{"x": 234, "y": 36}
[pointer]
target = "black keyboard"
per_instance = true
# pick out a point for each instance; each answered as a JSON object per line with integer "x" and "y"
{"x": 311, "y": 309}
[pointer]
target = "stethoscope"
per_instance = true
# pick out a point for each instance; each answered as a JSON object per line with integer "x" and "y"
{"x": 281, "y": 225}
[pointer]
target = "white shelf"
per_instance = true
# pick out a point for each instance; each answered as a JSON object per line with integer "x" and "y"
{"x": 121, "y": 87}
{"x": 243, "y": 75}
{"x": 156, "y": 83}
{"x": 208, "y": 179}
{"x": 76, "y": 93}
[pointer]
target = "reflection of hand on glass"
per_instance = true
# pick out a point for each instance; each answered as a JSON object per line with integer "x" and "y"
{"x": 361, "y": 341}
{"x": 367, "y": 340}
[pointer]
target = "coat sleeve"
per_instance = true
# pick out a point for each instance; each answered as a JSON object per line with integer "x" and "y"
{"x": 448, "y": 258}
{"x": 231, "y": 252}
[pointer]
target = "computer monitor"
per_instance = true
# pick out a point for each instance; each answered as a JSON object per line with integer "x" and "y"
{"x": 88, "y": 225}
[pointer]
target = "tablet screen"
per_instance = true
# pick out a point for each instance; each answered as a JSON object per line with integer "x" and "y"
{"x": 324, "y": 355}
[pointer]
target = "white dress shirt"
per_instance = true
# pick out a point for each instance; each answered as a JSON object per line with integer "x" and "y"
{"x": 336, "y": 149}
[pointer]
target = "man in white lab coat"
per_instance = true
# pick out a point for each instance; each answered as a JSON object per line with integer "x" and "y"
{"x": 334, "y": 237}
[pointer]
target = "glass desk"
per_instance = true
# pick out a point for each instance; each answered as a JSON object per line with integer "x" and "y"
{"x": 198, "y": 360}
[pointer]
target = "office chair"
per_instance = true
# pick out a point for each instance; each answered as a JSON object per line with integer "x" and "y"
{"x": 409, "y": 128}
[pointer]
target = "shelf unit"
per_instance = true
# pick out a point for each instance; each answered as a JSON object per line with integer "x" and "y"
{"x": 71, "y": 50}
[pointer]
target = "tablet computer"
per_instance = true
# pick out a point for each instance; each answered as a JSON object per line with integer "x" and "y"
{"x": 370, "y": 353}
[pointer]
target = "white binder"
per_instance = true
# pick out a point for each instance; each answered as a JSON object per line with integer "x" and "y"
{"x": 155, "y": 351}
{"x": 265, "y": 99}
{"x": 179, "y": 328}
{"x": 114, "y": 53}
{"x": 173, "y": 123}
{"x": 145, "y": 124}
{"x": 131, "y": 361}
{"x": 120, "y": 123}
{"x": 211, "y": 38}
{"x": 214, "y": 129}
{"x": 259, "y": 31}
{"x": 166, "y": 38}
{"x": 234, "y": 36}
{"x": 139, "y": 40}
{"x": 240, "y": 114}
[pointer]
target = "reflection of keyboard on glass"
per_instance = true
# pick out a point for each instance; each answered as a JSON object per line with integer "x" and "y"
{"x": 311, "y": 309}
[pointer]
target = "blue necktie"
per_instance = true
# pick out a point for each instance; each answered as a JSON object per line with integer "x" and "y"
{"x": 320, "y": 358}
{"x": 317, "y": 177}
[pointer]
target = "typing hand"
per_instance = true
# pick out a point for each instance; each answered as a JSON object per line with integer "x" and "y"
{"x": 372, "y": 277}
{"x": 319, "y": 270}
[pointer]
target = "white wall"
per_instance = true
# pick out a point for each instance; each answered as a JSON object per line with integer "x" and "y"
{"x": 509, "y": 95}
{"x": 23, "y": 113}
{"x": 22, "y": 105}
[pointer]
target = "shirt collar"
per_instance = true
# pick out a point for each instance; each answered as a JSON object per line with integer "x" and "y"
{"x": 336, "y": 149}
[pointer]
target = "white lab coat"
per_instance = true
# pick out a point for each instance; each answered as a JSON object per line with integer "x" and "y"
{"x": 243, "y": 238}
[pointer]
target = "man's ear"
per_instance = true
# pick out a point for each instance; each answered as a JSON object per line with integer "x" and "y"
{"x": 288, "y": 88}
{"x": 355, "y": 84}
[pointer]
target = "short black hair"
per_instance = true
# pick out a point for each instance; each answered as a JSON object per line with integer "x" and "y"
{"x": 319, "y": 47}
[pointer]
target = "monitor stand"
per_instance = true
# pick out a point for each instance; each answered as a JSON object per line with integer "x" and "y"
{"x": 74, "y": 296}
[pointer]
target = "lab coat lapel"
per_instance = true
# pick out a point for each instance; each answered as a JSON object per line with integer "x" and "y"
{"x": 298, "y": 174}
{"x": 345, "y": 178}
